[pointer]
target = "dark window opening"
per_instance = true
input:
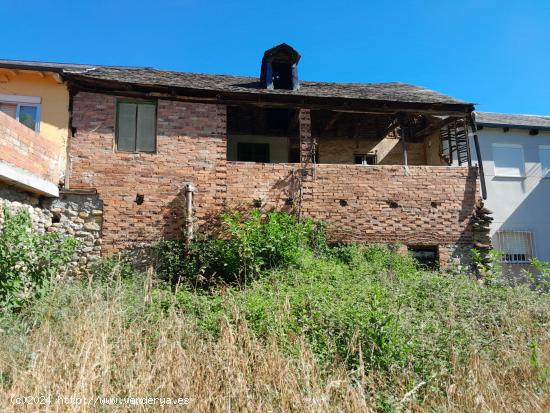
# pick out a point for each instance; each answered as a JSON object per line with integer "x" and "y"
{"x": 282, "y": 75}
{"x": 294, "y": 154}
{"x": 253, "y": 152}
{"x": 251, "y": 120}
{"x": 365, "y": 159}
{"x": 278, "y": 119}
{"x": 136, "y": 123}
{"x": 426, "y": 256}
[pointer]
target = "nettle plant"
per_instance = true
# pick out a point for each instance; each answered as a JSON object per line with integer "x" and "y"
{"x": 29, "y": 261}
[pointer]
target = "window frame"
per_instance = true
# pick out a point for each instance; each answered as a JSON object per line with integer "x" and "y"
{"x": 364, "y": 159}
{"x": 530, "y": 253}
{"x": 20, "y": 100}
{"x": 509, "y": 146}
{"x": 136, "y": 102}
{"x": 38, "y": 110}
{"x": 544, "y": 148}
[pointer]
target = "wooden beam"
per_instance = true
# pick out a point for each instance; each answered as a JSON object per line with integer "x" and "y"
{"x": 57, "y": 77}
{"x": 434, "y": 127}
{"x": 393, "y": 124}
{"x": 331, "y": 122}
{"x": 402, "y": 120}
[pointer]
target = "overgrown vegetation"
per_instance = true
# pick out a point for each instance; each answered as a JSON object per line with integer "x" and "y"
{"x": 249, "y": 244}
{"x": 28, "y": 260}
{"x": 285, "y": 323}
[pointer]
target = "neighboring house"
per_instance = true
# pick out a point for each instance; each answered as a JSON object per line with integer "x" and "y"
{"x": 35, "y": 94}
{"x": 371, "y": 160}
{"x": 515, "y": 151}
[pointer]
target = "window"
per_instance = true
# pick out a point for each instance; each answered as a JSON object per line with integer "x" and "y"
{"x": 365, "y": 159}
{"x": 136, "y": 126}
{"x": 25, "y": 109}
{"x": 253, "y": 152}
{"x": 508, "y": 160}
{"x": 544, "y": 157}
{"x": 517, "y": 246}
{"x": 426, "y": 256}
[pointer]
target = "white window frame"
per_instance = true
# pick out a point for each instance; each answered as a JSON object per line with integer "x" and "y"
{"x": 19, "y": 100}
{"x": 364, "y": 158}
{"x": 509, "y": 146}
{"x": 544, "y": 148}
{"x": 508, "y": 257}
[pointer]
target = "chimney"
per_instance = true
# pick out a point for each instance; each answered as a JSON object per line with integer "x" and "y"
{"x": 280, "y": 68}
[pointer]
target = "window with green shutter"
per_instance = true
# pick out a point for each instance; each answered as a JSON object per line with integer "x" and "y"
{"x": 136, "y": 125}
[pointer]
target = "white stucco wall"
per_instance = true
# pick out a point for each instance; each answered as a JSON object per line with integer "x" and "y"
{"x": 520, "y": 204}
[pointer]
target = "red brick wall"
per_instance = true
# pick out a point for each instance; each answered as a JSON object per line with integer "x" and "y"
{"x": 191, "y": 147}
{"x": 431, "y": 205}
{"x": 23, "y": 148}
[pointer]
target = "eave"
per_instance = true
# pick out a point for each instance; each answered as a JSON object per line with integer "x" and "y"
{"x": 82, "y": 83}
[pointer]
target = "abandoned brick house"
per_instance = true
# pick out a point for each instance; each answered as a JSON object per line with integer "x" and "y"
{"x": 374, "y": 161}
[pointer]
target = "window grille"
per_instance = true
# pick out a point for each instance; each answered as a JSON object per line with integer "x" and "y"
{"x": 516, "y": 246}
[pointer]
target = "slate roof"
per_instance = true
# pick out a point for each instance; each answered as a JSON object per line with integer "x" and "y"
{"x": 516, "y": 121}
{"x": 144, "y": 76}
{"x": 394, "y": 92}
{"x": 48, "y": 66}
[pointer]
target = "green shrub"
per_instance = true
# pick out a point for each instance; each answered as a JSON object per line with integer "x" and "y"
{"x": 372, "y": 308}
{"x": 489, "y": 266}
{"x": 341, "y": 313}
{"x": 28, "y": 260}
{"x": 246, "y": 246}
{"x": 540, "y": 275}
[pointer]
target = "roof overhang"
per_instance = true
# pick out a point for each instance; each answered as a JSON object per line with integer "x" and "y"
{"x": 512, "y": 126}
{"x": 86, "y": 83}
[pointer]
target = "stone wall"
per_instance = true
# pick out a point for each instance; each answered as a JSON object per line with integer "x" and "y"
{"x": 74, "y": 214}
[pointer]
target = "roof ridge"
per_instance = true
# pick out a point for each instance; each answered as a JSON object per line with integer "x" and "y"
{"x": 513, "y": 114}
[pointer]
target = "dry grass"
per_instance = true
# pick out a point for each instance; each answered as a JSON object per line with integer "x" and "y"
{"x": 98, "y": 350}
{"x": 101, "y": 343}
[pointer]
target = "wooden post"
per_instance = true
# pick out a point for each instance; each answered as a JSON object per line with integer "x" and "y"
{"x": 480, "y": 168}
{"x": 189, "y": 189}
{"x": 403, "y": 133}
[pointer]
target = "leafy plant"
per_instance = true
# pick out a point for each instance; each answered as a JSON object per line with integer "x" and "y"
{"x": 29, "y": 261}
{"x": 488, "y": 266}
{"x": 247, "y": 246}
{"x": 540, "y": 277}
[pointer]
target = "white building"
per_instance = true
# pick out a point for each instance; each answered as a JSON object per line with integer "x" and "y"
{"x": 515, "y": 154}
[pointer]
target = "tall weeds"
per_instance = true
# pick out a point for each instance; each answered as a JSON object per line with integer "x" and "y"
{"x": 105, "y": 341}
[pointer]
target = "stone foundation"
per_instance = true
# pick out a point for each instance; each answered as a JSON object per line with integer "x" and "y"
{"x": 77, "y": 214}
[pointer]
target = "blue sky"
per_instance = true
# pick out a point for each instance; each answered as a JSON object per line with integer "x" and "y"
{"x": 494, "y": 53}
